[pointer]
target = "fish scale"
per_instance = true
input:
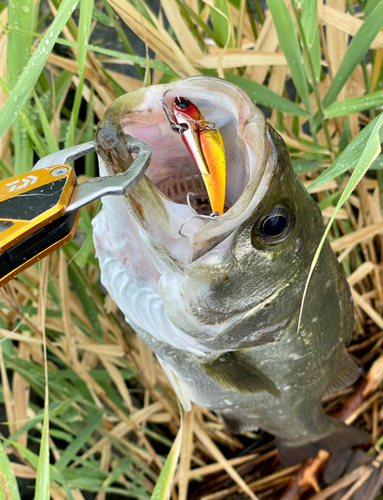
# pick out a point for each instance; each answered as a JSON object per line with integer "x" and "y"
{"x": 219, "y": 304}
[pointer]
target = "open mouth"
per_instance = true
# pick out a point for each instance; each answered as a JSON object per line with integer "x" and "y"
{"x": 162, "y": 202}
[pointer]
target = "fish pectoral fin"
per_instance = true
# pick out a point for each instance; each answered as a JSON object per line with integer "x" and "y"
{"x": 235, "y": 371}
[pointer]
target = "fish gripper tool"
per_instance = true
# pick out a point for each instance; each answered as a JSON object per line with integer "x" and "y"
{"x": 39, "y": 210}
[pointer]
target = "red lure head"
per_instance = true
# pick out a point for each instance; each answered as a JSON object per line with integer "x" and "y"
{"x": 183, "y": 109}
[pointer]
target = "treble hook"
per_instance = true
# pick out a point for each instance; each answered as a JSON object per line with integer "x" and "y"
{"x": 179, "y": 129}
{"x": 196, "y": 215}
{"x": 171, "y": 90}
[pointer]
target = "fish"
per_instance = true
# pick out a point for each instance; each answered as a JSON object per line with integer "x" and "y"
{"x": 219, "y": 301}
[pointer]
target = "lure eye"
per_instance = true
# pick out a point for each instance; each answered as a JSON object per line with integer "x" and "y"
{"x": 275, "y": 227}
{"x": 183, "y": 104}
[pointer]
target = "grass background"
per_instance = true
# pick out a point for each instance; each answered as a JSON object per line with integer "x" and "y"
{"x": 87, "y": 411}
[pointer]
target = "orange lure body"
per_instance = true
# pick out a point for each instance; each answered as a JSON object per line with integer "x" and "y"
{"x": 205, "y": 146}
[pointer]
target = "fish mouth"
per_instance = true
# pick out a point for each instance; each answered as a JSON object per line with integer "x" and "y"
{"x": 160, "y": 201}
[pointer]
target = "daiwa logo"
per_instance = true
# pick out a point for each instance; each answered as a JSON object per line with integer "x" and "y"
{"x": 27, "y": 181}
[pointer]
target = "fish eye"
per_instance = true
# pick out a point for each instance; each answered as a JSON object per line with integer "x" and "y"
{"x": 275, "y": 227}
{"x": 183, "y": 103}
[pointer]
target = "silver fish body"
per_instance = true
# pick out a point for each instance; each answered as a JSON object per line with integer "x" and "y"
{"x": 220, "y": 305}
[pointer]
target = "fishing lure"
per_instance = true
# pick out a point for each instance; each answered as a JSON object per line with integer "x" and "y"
{"x": 205, "y": 145}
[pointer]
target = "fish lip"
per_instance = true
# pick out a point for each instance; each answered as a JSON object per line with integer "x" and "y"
{"x": 131, "y": 111}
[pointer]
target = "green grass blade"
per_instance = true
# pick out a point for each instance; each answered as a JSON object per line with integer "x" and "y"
{"x": 62, "y": 84}
{"x": 311, "y": 33}
{"x": 348, "y": 158}
{"x": 71, "y": 450}
{"x": 71, "y": 131}
{"x": 221, "y": 22}
{"x": 53, "y": 472}
{"x": 370, "y": 6}
{"x": 345, "y": 136}
{"x": 41, "y": 149}
{"x": 117, "y": 89}
{"x": 5, "y": 169}
{"x": 328, "y": 202}
{"x": 184, "y": 7}
{"x": 54, "y": 409}
{"x": 90, "y": 159}
{"x": 354, "y": 105}
{"x": 42, "y": 491}
{"x": 31, "y": 457}
{"x": 86, "y": 12}
{"x": 89, "y": 306}
{"x": 310, "y": 21}
{"x": 143, "y": 9}
{"x": 36, "y": 63}
{"x": 304, "y": 166}
{"x": 121, "y": 34}
{"x": 8, "y": 481}
{"x": 85, "y": 223}
{"x": 263, "y": 95}
{"x": 377, "y": 164}
{"x": 18, "y": 53}
{"x": 102, "y": 18}
{"x": 358, "y": 47}
{"x": 141, "y": 61}
{"x": 49, "y": 137}
{"x": 370, "y": 152}
{"x": 289, "y": 44}
{"x": 164, "y": 484}
{"x": 315, "y": 55}
{"x": 121, "y": 467}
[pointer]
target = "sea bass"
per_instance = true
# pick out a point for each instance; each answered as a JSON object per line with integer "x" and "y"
{"x": 218, "y": 298}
